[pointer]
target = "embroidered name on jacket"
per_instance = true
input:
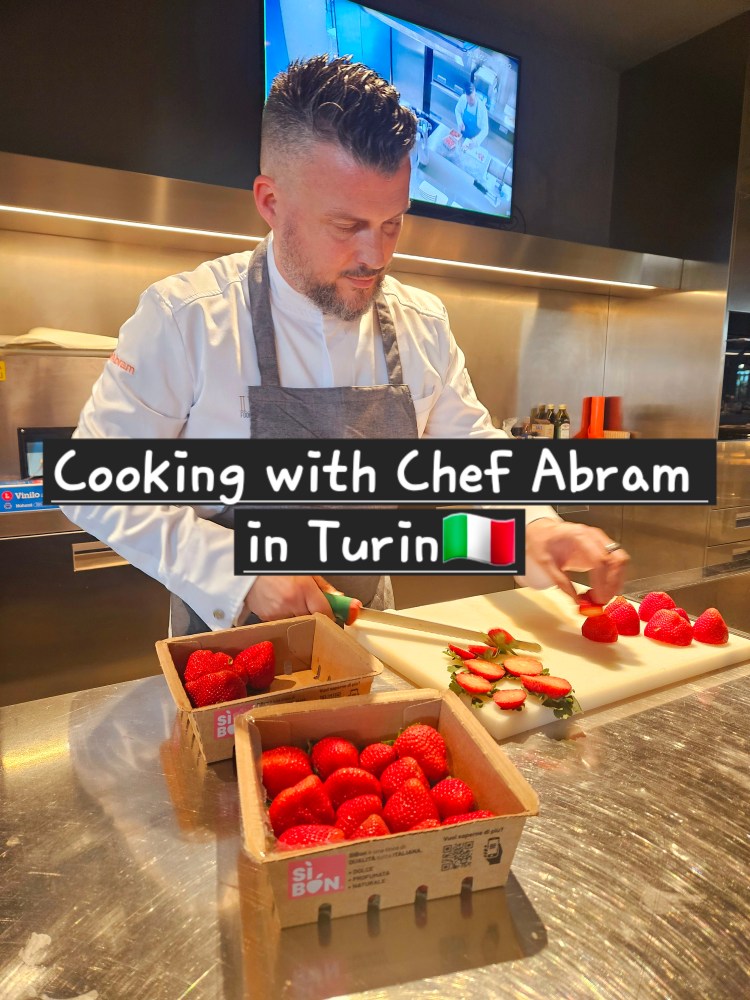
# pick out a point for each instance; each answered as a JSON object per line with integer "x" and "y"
{"x": 121, "y": 364}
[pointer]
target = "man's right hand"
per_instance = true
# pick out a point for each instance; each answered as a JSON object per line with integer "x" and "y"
{"x": 273, "y": 597}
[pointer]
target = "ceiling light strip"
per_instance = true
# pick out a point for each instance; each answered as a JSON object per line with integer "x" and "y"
{"x": 244, "y": 237}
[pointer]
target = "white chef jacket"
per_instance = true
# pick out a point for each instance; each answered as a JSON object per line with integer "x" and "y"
{"x": 181, "y": 368}
{"x": 483, "y": 122}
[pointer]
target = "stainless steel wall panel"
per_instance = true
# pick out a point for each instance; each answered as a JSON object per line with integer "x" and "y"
{"x": 664, "y": 539}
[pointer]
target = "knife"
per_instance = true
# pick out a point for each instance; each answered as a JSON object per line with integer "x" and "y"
{"x": 347, "y": 610}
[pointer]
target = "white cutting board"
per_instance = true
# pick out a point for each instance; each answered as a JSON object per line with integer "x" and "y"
{"x": 600, "y": 673}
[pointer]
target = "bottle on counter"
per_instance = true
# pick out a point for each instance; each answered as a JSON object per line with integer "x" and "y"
{"x": 562, "y": 422}
{"x": 541, "y": 425}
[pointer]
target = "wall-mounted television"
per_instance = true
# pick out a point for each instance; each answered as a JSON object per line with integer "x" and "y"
{"x": 463, "y": 94}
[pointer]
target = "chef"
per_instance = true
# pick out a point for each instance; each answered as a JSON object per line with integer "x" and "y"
{"x": 471, "y": 117}
{"x": 306, "y": 336}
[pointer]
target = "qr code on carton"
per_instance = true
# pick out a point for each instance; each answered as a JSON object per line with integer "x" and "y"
{"x": 457, "y": 855}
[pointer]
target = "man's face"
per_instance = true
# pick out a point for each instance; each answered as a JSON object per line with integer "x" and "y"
{"x": 336, "y": 224}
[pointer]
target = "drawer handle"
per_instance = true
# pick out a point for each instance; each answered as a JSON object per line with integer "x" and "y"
{"x": 740, "y": 550}
{"x": 94, "y": 555}
{"x": 571, "y": 508}
{"x": 742, "y": 520}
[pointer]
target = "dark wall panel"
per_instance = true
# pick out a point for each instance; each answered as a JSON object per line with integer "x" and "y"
{"x": 677, "y": 147}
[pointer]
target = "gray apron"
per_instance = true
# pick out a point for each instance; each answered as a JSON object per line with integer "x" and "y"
{"x": 281, "y": 412}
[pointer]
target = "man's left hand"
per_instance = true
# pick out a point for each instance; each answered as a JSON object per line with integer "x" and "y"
{"x": 560, "y": 547}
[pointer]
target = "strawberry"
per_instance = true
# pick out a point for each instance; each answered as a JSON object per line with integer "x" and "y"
{"x": 509, "y": 698}
{"x": 711, "y": 628}
{"x": 452, "y": 796}
{"x": 331, "y": 753}
{"x": 588, "y": 606}
{"x": 485, "y": 668}
{"x": 283, "y": 767}
{"x": 465, "y": 817}
{"x": 522, "y": 666}
{"x": 354, "y": 812}
{"x": 411, "y": 804}
{"x": 550, "y": 687}
{"x": 204, "y": 661}
{"x": 667, "y": 626}
{"x": 472, "y": 683}
{"x": 499, "y": 635}
{"x": 376, "y": 757}
{"x": 348, "y": 783}
{"x": 464, "y": 654}
{"x": 624, "y": 615}
{"x": 305, "y": 802}
{"x": 683, "y": 614}
{"x": 427, "y": 824}
{"x": 601, "y": 628}
{"x": 426, "y": 745}
{"x": 398, "y": 772}
{"x": 257, "y": 665}
{"x": 373, "y": 826}
{"x": 479, "y": 650}
{"x": 211, "y": 689}
{"x": 308, "y": 835}
{"x": 657, "y": 600}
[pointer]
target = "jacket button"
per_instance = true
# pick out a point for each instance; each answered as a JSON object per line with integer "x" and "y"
{"x": 219, "y": 615}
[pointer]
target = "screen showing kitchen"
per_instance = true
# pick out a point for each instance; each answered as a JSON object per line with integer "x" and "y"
{"x": 464, "y": 95}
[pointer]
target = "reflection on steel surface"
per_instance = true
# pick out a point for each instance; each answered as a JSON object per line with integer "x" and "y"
{"x": 124, "y": 848}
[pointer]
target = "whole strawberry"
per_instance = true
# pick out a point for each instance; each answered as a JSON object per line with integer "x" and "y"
{"x": 668, "y": 626}
{"x": 354, "y": 812}
{"x": 427, "y": 824}
{"x": 211, "y": 689}
{"x": 373, "y": 826}
{"x": 398, "y": 772}
{"x": 204, "y": 661}
{"x": 348, "y": 783}
{"x": 257, "y": 665}
{"x": 600, "y": 628}
{"x": 657, "y": 600}
{"x": 303, "y": 803}
{"x": 624, "y": 615}
{"x": 466, "y": 817}
{"x": 427, "y": 747}
{"x": 331, "y": 753}
{"x": 711, "y": 628}
{"x": 376, "y": 757}
{"x": 411, "y": 804}
{"x": 453, "y": 796}
{"x": 309, "y": 835}
{"x": 283, "y": 767}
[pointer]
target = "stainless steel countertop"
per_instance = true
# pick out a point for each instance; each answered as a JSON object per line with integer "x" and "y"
{"x": 633, "y": 882}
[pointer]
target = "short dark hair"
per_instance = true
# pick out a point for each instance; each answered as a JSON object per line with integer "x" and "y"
{"x": 338, "y": 101}
{"x": 469, "y": 87}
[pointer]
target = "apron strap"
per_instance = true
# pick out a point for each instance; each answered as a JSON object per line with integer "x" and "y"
{"x": 390, "y": 341}
{"x": 260, "y": 313}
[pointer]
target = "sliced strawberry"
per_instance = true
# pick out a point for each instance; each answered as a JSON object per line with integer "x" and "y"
{"x": 667, "y": 626}
{"x": 308, "y": 835}
{"x": 588, "y": 606}
{"x": 602, "y": 628}
{"x": 656, "y": 600}
{"x": 467, "y": 817}
{"x": 472, "y": 683}
{"x": 523, "y": 666}
{"x": 711, "y": 628}
{"x": 460, "y": 651}
{"x": 479, "y": 650}
{"x": 485, "y": 668}
{"x": 550, "y": 687}
{"x": 509, "y": 699}
{"x": 500, "y": 635}
{"x": 624, "y": 615}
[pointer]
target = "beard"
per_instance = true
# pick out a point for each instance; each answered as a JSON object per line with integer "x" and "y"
{"x": 325, "y": 295}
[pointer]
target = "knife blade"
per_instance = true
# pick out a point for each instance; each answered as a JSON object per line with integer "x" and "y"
{"x": 342, "y": 610}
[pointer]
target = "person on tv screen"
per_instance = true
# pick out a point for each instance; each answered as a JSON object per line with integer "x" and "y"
{"x": 305, "y": 336}
{"x": 471, "y": 117}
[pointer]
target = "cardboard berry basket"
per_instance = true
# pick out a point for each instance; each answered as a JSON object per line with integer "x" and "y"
{"x": 314, "y": 659}
{"x": 391, "y": 870}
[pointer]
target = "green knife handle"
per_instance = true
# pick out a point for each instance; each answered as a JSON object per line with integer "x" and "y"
{"x": 341, "y": 605}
